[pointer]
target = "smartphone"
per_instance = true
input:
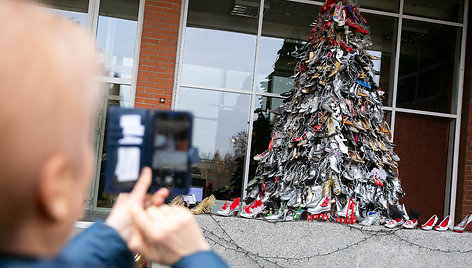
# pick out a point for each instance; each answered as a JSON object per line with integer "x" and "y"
{"x": 170, "y": 160}
{"x": 161, "y": 140}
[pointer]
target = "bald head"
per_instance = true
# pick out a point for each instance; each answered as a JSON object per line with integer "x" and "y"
{"x": 47, "y": 101}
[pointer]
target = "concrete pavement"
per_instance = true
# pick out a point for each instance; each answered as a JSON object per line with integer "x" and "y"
{"x": 256, "y": 243}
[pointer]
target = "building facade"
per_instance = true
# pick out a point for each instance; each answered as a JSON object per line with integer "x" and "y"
{"x": 227, "y": 61}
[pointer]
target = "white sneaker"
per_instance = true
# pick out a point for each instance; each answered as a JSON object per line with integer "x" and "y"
{"x": 394, "y": 223}
{"x": 410, "y": 224}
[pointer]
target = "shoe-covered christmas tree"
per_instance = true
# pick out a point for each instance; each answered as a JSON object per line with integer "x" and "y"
{"x": 331, "y": 152}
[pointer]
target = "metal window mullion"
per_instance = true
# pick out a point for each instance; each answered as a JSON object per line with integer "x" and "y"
{"x": 395, "y": 71}
{"x": 240, "y": 91}
{"x": 269, "y": 94}
{"x": 90, "y": 14}
{"x": 94, "y": 21}
{"x": 455, "y": 163}
{"x": 137, "y": 49}
{"x": 180, "y": 54}
{"x": 427, "y": 113}
{"x": 309, "y": 2}
{"x": 92, "y": 26}
{"x": 115, "y": 80}
{"x": 99, "y": 147}
{"x": 379, "y": 12}
{"x": 90, "y": 196}
{"x": 247, "y": 161}
{"x": 435, "y": 21}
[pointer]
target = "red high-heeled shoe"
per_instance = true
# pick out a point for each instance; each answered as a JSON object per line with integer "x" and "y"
{"x": 443, "y": 226}
{"x": 231, "y": 209}
{"x": 461, "y": 226}
{"x": 430, "y": 223}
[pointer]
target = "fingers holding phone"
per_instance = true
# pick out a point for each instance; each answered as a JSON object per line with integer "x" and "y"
{"x": 119, "y": 217}
{"x": 165, "y": 234}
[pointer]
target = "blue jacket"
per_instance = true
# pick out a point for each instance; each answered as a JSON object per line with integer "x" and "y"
{"x": 101, "y": 246}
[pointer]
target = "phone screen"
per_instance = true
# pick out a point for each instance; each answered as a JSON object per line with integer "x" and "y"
{"x": 170, "y": 161}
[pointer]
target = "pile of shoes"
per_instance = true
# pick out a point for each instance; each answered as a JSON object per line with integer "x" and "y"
{"x": 331, "y": 154}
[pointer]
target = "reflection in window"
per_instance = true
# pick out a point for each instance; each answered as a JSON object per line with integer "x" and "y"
{"x": 384, "y": 5}
{"x": 74, "y": 11}
{"x": 383, "y": 34}
{"x": 220, "y": 43}
{"x": 220, "y": 134}
{"x": 121, "y": 93}
{"x": 265, "y": 115}
{"x": 428, "y": 66}
{"x": 116, "y": 35}
{"x": 285, "y": 27}
{"x": 451, "y": 10}
{"x": 104, "y": 199}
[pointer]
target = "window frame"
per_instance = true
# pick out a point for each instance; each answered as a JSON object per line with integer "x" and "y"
{"x": 92, "y": 27}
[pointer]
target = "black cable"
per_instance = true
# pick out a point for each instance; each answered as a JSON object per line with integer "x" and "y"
{"x": 229, "y": 243}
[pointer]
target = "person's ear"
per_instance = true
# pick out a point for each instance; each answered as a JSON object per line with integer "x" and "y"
{"x": 55, "y": 183}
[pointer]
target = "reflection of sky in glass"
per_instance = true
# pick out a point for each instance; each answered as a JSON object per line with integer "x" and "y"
{"x": 76, "y": 17}
{"x": 377, "y": 64}
{"x": 116, "y": 39}
{"x": 218, "y": 116}
{"x": 218, "y": 58}
{"x": 267, "y": 58}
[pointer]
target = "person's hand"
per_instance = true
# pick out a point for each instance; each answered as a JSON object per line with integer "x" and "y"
{"x": 120, "y": 217}
{"x": 166, "y": 234}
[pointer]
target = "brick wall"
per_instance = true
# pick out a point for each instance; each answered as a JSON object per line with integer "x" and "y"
{"x": 158, "y": 54}
{"x": 464, "y": 187}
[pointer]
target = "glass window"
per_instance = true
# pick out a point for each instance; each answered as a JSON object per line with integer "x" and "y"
{"x": 74, "y": 11}
{"x": 220, "y": 43}
{"x": 121, "y": 93}
{"x": 388, "y": 117}
{"x": 220, "y": 134}
{"x": 263, "y": 123}
{"x": 116, "y": 35}
{"x": 383, "y": 31}
{"x": 285, "y": 27}
{"x": 422, "y": 144}
{"x": 451, "y": 10}
{"x": 384, "y": 5}
{"x": 117, "y": 94}
{"x": 429, "y": 58}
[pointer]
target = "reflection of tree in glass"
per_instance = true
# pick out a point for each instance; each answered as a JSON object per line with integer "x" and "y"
{"x": 239, "y": 144}
{"x": 224, "y": 173}
{"x": 283, "y": 68}
{"x": 239, "y": 153}
{"x": 261, "y": 130}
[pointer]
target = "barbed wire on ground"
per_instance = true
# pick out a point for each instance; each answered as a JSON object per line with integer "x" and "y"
{"x": 227, "y": 242}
